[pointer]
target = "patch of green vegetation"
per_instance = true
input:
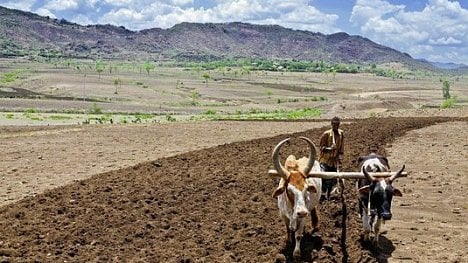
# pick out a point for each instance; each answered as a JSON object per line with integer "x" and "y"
{"x": 148, "y": 66}
{"x": 256, "y": 114}
{"x": 60, "y": 117}
{"x": 317, "y": 98}
{"x": 448, "y": 103}
{"x": 9, "y": 77}
{"x": 245, "y": 66}
{"x": 170, "y": 118}
{"x": 194, "y": 96}
{"x": 143, "y": 116}
{"x": 210, "y": 112}
{"x": 9, "y": 116}
{"x": 95, "y": 109}
{"x": 33, "y": 116}
{"x": 30, "y": 110}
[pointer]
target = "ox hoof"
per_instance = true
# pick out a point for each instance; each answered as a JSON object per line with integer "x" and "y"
{"x": 366, "y": 237}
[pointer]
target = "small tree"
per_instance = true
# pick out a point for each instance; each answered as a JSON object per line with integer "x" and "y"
{"x": 148, "y": 66}
{"x": 99, "y": 67}
{"x": 194, "y": 96}
{"x": 117, "y": 83}
{"x": 206, "y": 76}
{"x": 446, "y": 89}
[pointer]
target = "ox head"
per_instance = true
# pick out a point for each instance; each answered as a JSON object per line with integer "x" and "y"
{"x": 294, "y": 175}
{"x": 381, "y": 192}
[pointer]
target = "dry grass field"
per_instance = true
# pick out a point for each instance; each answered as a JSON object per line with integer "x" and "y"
{"x": 197, "y": 191}
{"x": 181, "y": 93}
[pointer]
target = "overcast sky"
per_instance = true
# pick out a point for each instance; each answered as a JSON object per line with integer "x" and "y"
{"x": 436, "y": 30}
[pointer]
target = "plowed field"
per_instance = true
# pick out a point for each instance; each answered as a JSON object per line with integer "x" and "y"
{"x": 215, "y": 205}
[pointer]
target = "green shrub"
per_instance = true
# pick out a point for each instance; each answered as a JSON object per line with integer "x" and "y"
{"x": 170, "y": 118}
{"x": 210, "y": 112}
{"x": 95, "y": 109}
{"x": 60, "y": 117}
{"x": 448, "y": 103}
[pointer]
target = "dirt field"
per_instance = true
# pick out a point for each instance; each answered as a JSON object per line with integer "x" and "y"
{"x": 199, "y": 191}
{"x": 181, "y": 92}
{"x": 193, "y": 201}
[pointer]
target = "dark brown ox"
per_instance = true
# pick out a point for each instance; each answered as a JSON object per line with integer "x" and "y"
{"x": 375, "y": 194}
{"x": 298, "y": 195}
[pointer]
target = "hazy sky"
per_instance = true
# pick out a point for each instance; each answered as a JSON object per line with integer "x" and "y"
{"x": 436, "y": 30}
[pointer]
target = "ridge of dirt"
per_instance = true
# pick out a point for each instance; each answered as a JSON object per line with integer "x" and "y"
{"x": 208, "y": 205}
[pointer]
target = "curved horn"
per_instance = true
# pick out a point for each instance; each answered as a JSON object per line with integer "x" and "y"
{"x": 312, "y": 155}
{"x": 398, "y": 174}
{"x": 368, "y": 176}
{"x": 276, "y": 162}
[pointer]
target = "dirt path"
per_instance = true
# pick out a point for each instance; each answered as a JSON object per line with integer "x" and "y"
{"x": 432, "y": 216}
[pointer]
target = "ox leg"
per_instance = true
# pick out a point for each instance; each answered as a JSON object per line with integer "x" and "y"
{"x": 315, "y": 219}
{"x": 377, "y": 230}
{"x": 298, "y": 237}
{"x": 367, "y": 226}
{"x": 289, "y": 233}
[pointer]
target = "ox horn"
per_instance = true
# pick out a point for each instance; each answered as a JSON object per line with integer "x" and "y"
{"x": 368, "y": 176}
{"x": 276, "y": 162}
{"x": 312, "y": 155}
{"x": 398, "y": 174}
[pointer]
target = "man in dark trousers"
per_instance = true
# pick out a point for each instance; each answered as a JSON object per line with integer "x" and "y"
{"x": 331, "y": 154}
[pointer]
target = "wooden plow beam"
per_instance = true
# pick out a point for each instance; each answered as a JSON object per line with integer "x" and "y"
{"x": 343, "y": 175}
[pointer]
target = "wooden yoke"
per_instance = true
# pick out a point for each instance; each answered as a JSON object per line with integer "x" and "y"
{"x": 342, "y": 175}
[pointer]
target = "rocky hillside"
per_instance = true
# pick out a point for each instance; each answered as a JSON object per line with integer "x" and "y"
{"x": 23, "y": 33}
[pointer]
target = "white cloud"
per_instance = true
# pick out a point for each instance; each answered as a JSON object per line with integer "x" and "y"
{"x": 441, "y": 23}
{"x": 20, "y": 4}
{"x": 122, "y": 16}
{"x": 82, "y": 20}
{"x": 45, "y": 12}
{"x": 182, "y": 2}
{"x": 167, "y": 13}
{"x": 119, "y": 2}
{"x": 365, "y": 10}
{"x": 445, "y": 41}
{"x": 91, "y": 3}
{"x": 60, "y": 5}
{"x": 292, "y": 14}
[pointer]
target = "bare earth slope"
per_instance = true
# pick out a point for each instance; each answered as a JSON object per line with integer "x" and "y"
{"x": 214, "y": 205}
{"x": 433, "y": 214}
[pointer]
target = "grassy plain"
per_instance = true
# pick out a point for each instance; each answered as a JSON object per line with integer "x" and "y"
{"x": 73, "y": 92}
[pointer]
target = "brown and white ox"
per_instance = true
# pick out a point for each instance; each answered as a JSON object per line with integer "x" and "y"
{"x": 375, "y": 194}
{"x": 298, "y": 195}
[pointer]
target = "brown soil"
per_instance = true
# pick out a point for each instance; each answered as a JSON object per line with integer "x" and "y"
{"x": 214, "y": 204}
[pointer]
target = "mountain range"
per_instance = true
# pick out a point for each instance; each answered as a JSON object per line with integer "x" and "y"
{"x": 22, "y": 33}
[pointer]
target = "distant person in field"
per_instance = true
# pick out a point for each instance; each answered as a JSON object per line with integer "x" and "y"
{"x": 331, "y": 154}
